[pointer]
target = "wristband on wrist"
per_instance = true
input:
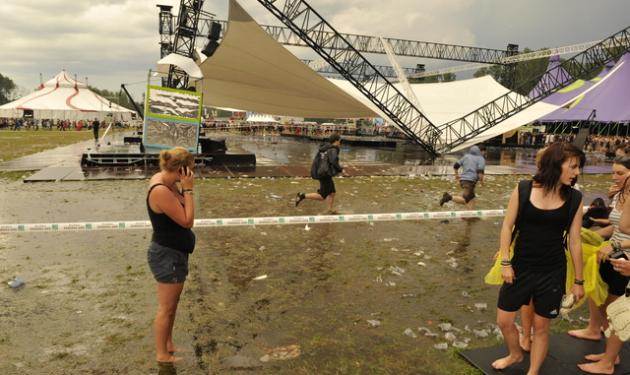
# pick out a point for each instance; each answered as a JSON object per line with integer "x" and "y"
{"x": 187, "y": 191}
{"x": 578, "y": 282}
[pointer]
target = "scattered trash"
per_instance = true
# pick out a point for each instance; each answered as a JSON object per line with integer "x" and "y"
{"x": 394, "y": 249}
{"x": 379, "y": 279}
{"x": 422, "y": 264}
{"x": 450, "y": 336}
{"x": 441, "y": 346}
{"x": 481, "y": 306}
{"x": 274, "y": 196}
{"x": 307, "y": 228}
{"x": 262, "y": 248}
{"x": 282, "y": 353}
{"x": 16, "y": 282}
{"x": 465, "y": 294}
{"x": 342, "y": 241}
{"x": 481, "y": 333}
{"x": 263, "y": 233}
{"x": 388, "y": 239}
{"x": 408, "y": 295}
{"x": 419, "y": 253}
{"x": 427, "y": 332}
{"x": 294, "y": 182}
{"x": 460, "y": 345}
{"x": 409, "y": 332}
{"x": 452, "y": 262}
{"x": 261, "y": 277}
{"x": 373, "y": 323}
{"x": 390, "y": 283}
{"x": 445, "y": 327}
{"x": 395, "y": 270}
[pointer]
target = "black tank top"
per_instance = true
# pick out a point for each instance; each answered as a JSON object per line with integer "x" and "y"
{"x": 167, "y": 232}
{"x": 540, "y": 242}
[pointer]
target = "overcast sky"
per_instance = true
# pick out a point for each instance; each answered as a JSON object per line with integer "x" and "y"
{"x": 115, "y": 41}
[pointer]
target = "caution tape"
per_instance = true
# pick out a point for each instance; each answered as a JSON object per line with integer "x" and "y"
{"x": 253, "y": 221}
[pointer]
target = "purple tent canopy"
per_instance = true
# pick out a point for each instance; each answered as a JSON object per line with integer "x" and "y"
{"x": 543, "y": 85}
{"x": 610, "y": 100}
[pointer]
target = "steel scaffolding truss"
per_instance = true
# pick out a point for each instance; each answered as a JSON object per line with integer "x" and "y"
{"x": 385, "y": 70}
{"x": 458, "y": 131}
{"x": 318, "y": 34}
{"x": 372, "y": 44}
{"x": 184, "y": 40}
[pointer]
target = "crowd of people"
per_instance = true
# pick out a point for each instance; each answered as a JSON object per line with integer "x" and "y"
{"x": 593, "y": 143}
{"x": 305, "y": 129}
{"x": 61, "y": 125}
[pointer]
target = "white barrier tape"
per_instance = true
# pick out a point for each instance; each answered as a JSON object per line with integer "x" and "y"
{"x": 250, "y": 221}
{"x": 253, "y": 221}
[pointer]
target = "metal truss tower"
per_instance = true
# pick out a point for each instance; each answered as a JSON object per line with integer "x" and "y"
{"x": 184, "y": 40}
{"x": 458, "y": 131}
{"x": 166, "y": 33}
{"x": 318, "y": 34}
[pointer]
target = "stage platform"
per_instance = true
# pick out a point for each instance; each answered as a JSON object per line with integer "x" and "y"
{"x": 565, "y": 353}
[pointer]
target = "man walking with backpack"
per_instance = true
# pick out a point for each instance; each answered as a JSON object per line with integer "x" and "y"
{"x": 325, "y": 166}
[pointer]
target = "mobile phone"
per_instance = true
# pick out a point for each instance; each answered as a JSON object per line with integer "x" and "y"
{"x": 619, "y": 254}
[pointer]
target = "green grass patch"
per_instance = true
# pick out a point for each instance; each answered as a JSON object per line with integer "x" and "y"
{"x": 15, "y": 144}
{"x": 14, "y": 175}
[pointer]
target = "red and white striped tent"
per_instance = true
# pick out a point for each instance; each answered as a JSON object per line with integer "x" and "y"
{"x": 65, "y": 98}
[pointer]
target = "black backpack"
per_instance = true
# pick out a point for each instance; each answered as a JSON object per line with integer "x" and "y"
{"x": 320, "y": 168}
{"x": 524, "y": 191}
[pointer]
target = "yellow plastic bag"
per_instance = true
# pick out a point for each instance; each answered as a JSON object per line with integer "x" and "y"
{"x": 594, "y": 286}
{"x": 493, "y": 277}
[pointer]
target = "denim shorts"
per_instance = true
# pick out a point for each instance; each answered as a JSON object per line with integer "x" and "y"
{"x": 168, "y": 265}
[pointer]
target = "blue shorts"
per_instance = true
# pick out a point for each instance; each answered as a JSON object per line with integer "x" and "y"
{"x": 167, "y": 265}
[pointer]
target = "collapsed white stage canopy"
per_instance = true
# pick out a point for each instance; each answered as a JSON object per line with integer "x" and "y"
{"x": 250, "y": 70}
{"x": 64, "y": 98}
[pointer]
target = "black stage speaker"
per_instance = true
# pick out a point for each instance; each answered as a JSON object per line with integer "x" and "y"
{"x": 212, "y": 146}
{"x": 215, "y": 31}
{"x": 210, "y": 48}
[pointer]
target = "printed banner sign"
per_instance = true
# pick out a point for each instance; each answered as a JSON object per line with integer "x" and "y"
{"x": 171, "y": 118}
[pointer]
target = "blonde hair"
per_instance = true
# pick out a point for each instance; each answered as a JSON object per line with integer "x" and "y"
{"x": 175, "y": 158}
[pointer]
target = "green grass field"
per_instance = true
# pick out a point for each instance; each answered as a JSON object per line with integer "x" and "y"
{"x": 14, "y": 144}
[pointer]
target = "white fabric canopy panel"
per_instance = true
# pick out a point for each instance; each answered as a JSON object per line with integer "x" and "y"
{"x": 64, "y": 98}
{"x": 250, "y": 70}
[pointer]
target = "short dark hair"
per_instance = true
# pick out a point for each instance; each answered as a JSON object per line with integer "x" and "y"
{"x": 550, "y": 166}
{"x": 334, "y": 138}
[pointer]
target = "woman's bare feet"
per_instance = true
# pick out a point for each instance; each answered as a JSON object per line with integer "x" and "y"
{"x": 505, "y": 362}
{"x": 168, "y": 359}
{"x": 171, "y": 348}
{"x": 525, "y": 342}
{"x": 598, "y": 357}
{"x": 597, "y": 368}
{"x": 586, "y": 334}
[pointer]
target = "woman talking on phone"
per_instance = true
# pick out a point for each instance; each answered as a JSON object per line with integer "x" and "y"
{"x": 172, "y": 215}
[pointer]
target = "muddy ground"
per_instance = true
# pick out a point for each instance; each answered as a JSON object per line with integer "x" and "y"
{"x": 89, "y": 299}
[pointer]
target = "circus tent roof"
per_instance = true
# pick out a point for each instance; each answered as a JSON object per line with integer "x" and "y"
{"x": 64, "y": 97}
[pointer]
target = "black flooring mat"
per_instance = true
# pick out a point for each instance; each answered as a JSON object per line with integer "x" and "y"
{"x": 564, "y": 354}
